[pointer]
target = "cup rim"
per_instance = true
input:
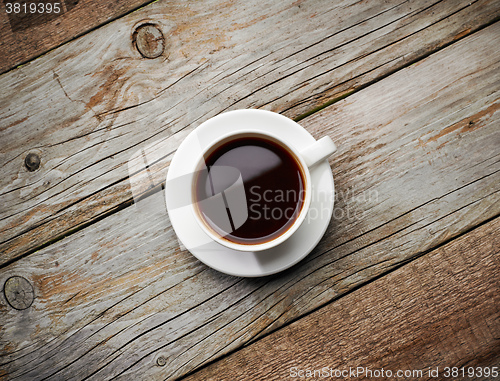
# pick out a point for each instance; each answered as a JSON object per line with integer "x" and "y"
{"x": 281, "y": 238}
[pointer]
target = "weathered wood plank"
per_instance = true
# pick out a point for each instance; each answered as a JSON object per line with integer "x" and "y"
{"x": 87, "y": 107}
{"x": 417, "y": 165}
{"x": 441, "y": 310}
{"x": 28, "y": 35}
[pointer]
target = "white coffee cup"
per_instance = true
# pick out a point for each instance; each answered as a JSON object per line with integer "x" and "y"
{"x": 305, "y": 159}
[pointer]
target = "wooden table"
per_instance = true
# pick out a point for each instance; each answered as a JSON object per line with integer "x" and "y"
{"x": 96, "y": 286}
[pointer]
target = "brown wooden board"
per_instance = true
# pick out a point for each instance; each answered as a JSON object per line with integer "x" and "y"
{"x": 417, "y": 165}
{"x": 440, "y": 311}
{"x": 33, "y": 30}
{"x": 87, "y": 107}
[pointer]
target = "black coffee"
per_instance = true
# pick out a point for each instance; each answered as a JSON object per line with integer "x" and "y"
{"x": 252, "y": 190}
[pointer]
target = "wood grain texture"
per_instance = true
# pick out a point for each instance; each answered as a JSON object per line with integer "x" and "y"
{"x": 26, "y": 36}
{"x": 89, "y": 106}
{"x": 441, "y": 310}
{"x": 417, "y": 165}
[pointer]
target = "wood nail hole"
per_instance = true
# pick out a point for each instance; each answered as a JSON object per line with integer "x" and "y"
{"x": 32, "y": 162}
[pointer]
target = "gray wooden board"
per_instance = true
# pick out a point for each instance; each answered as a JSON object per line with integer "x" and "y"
{"x": 417, "y": 165}
{"x": 87, "y": 107}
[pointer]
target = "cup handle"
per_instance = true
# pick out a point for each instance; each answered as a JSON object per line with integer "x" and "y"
{"x": 318, "y": 151}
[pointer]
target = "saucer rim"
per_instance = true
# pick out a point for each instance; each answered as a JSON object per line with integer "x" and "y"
{"x": 322, "y": 167}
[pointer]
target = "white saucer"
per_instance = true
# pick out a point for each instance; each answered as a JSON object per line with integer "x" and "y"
{"x": 250, "y": 264}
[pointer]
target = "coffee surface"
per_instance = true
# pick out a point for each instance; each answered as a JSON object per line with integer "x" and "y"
{"x": 273, "y": 185}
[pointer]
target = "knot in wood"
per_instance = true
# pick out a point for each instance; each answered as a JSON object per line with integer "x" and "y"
{"x": 149, "y": 41}
{"x": 18, "y": 292}
{"x": 32, "y": 162}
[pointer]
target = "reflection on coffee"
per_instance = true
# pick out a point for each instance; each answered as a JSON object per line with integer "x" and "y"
{"x": 252, "y": 190}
